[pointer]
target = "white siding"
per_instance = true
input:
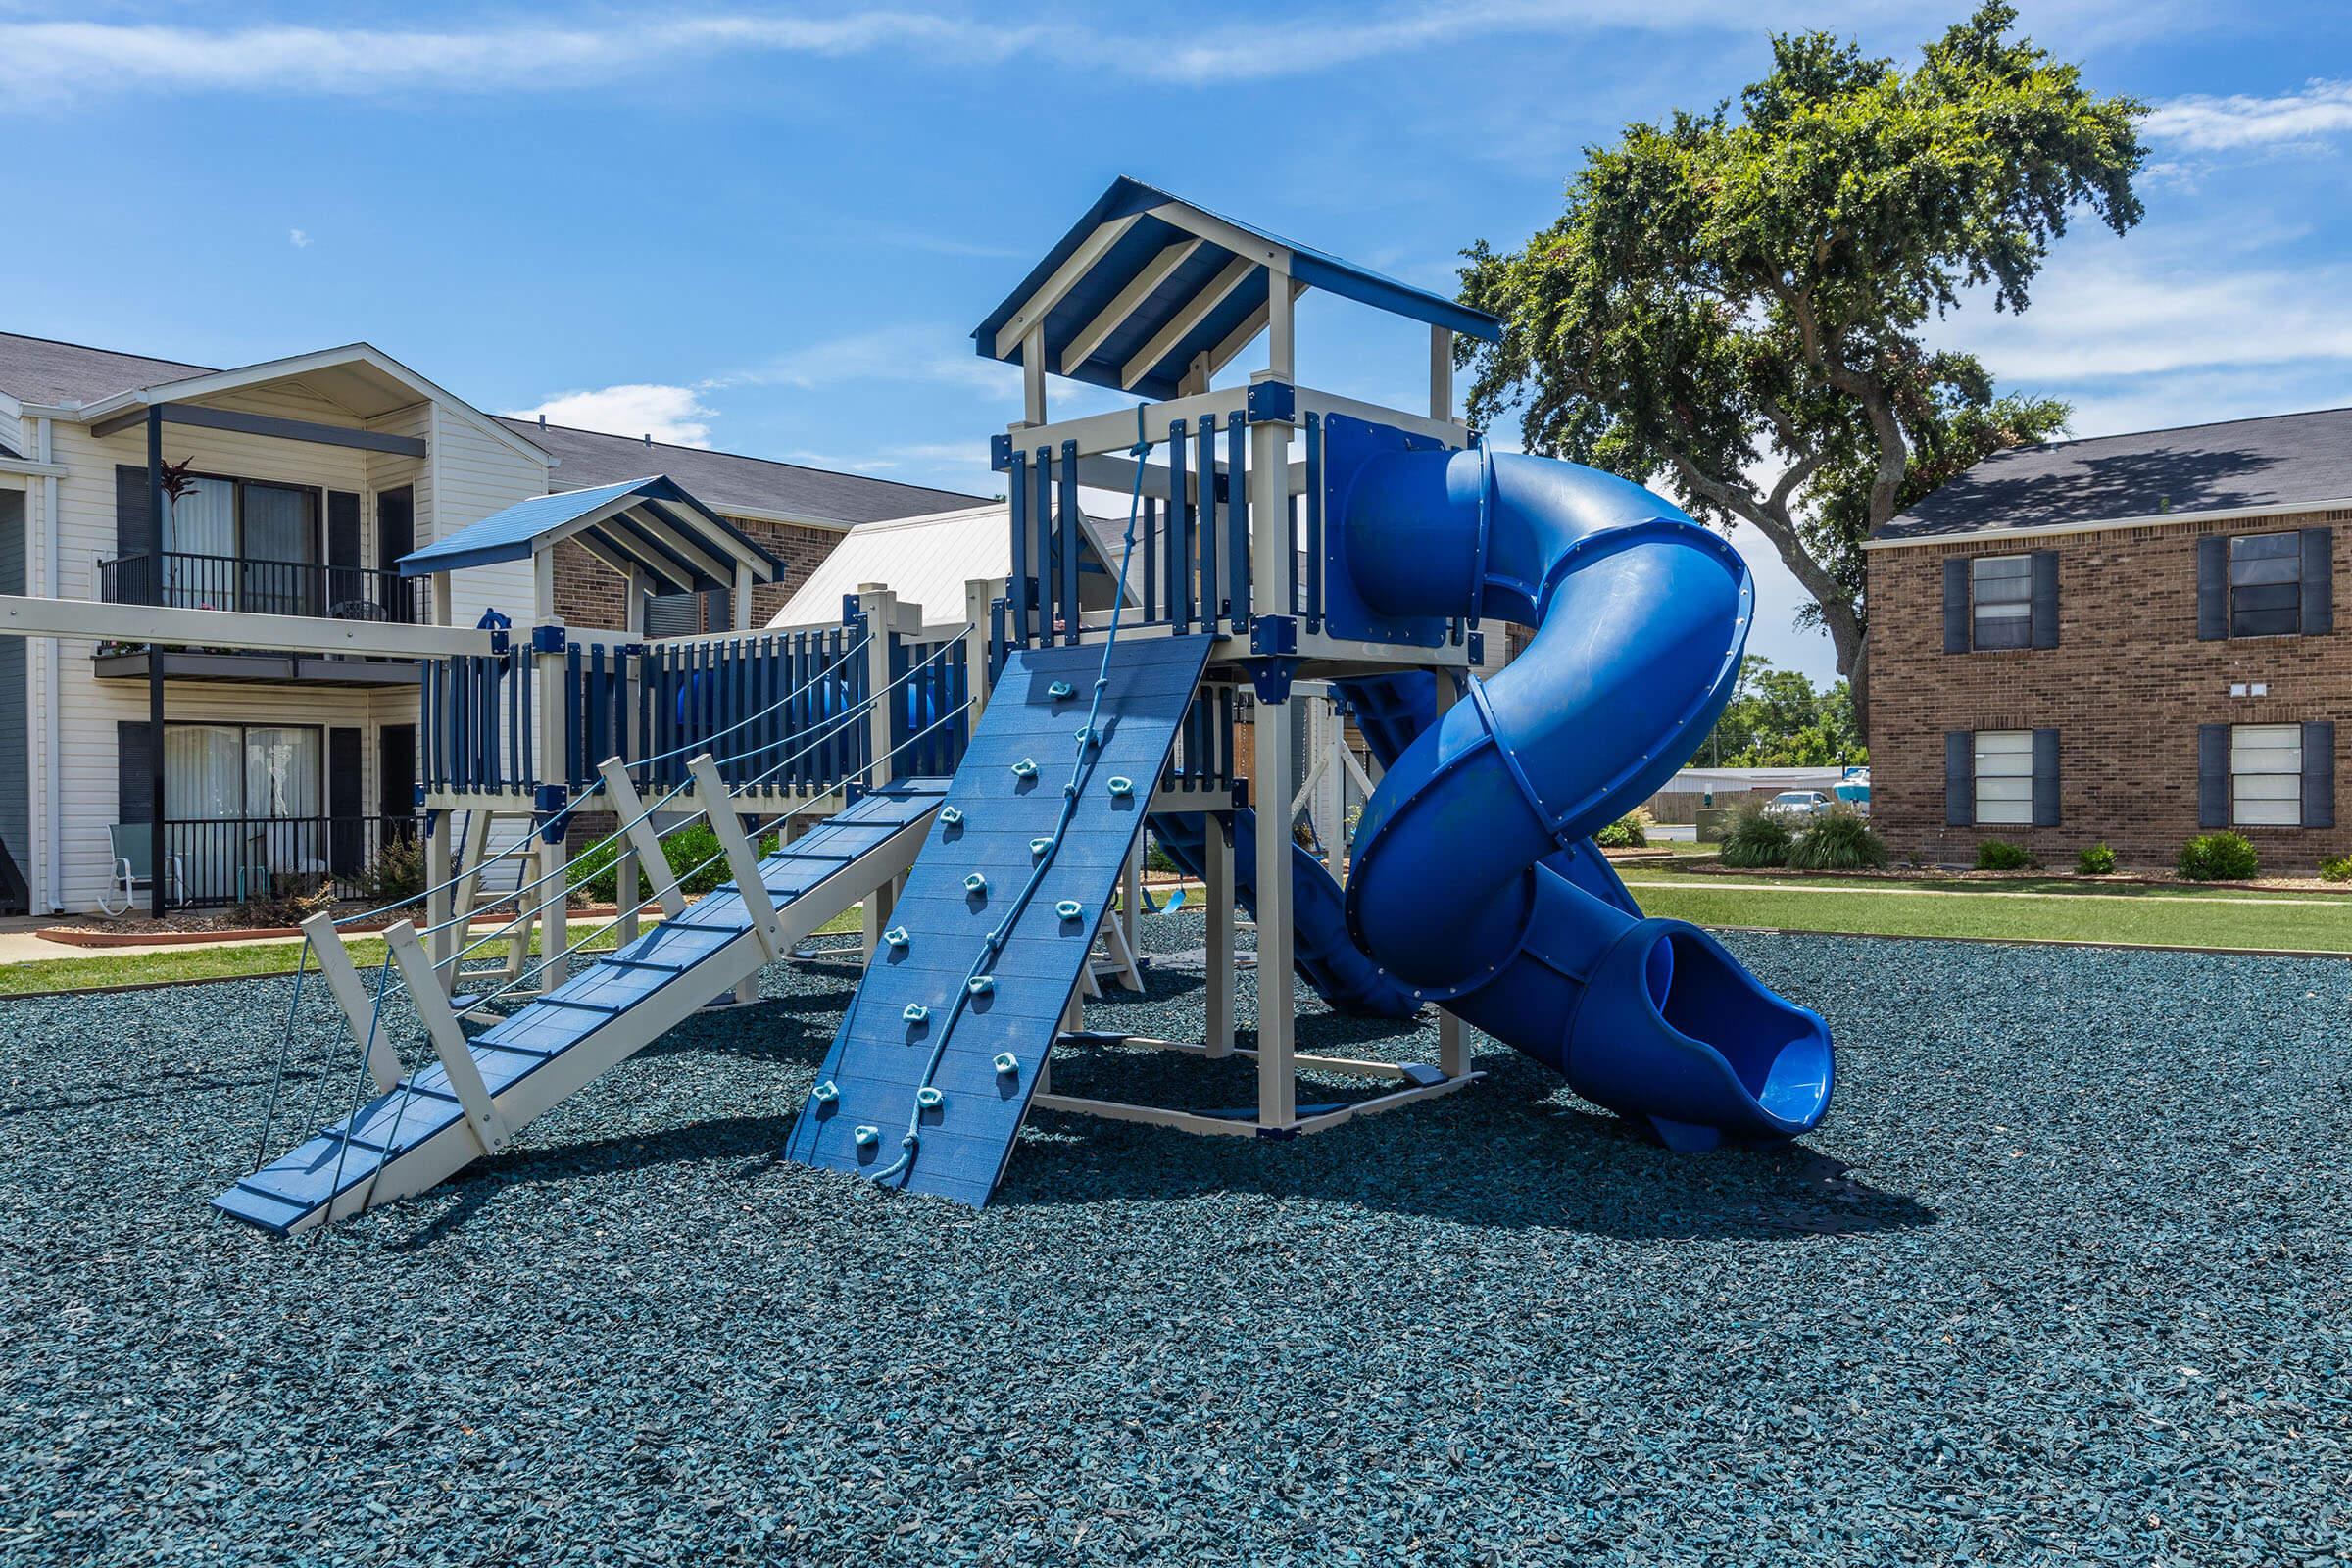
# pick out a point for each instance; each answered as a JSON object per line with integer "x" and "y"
{"x": 475, "y": 473}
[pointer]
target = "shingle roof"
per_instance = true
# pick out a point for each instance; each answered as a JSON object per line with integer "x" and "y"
{"x": 39, "y": 369}
{"x": 2281, "y": 462}
{"x": 726, "y": 480}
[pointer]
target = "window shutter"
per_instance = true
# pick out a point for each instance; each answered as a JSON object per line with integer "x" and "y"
{"x": 135, "y": 766}
{"x": 2319, "y": 770}
{"x": 2319, "y": 583}
{"x": 1955, "y": 603}
{"x": 2213, "y": 775}
{"x": 342, "y": 528}
{"x": 2045, "y": 778}
{"x": 2045, "y": 599}
{"x": 2213, "y": 588}
{"x": 135, "y": 510}
{"x": 1959, "y": 778}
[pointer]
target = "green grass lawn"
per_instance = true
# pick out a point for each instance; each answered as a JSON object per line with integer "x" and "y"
{"x": 2051, "y": 910}
{"x": 150, "y": 966}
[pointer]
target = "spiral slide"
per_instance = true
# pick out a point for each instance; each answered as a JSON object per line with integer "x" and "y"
{"x": 1472, "y": 882}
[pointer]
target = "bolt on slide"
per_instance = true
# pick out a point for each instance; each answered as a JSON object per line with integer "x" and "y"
{"x": 1460, "y": 888}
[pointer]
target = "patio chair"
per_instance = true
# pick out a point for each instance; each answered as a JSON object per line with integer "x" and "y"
{"x": 134, "y": 869}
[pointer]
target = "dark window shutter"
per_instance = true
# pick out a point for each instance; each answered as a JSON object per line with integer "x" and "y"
{"x": 2213, "y": 775}
{"x": 2318, "y": 581}
{"x": 135, "y": 510}
{"x": 342, "y": 528}
{"x": 2045, "y": 778}
{"x": 2319, "y": 771}
{"x": 1955, "y": 603}
{"x": 134, "y": 770}
{"x": 2213, "y": 588}
{"x": 1959, "y": 778}
{"x": 2045, "y": 599}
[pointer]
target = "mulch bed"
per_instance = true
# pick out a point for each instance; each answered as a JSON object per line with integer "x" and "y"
{"x": 2062, "y": 1280}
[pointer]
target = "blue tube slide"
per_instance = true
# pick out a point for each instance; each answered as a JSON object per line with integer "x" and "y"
{"x": 1472, "y": 883}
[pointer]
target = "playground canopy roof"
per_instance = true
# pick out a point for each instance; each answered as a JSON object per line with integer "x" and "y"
{"x": 652, "y": 523}
{"x": 1145, "y": 282}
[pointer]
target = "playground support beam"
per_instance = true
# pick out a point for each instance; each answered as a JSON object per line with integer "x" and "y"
{"x": 1271, "y": 564}
{"x": 1216, "y": 891}
{"x": 1454, "y": 1054}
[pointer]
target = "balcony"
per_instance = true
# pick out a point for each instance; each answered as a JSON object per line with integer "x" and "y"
{"x": 218, "y": 862}
{"x": 182, "y": 580}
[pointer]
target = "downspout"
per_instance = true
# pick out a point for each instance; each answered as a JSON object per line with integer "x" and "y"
{"x": 52, "y": 725}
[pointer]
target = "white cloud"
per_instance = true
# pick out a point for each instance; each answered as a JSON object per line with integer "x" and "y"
{"x": 2206, "y": 124}
{"x": 47, "y": 61}
{"x": 299, "y": 238}
{"x": 671, "y": 414}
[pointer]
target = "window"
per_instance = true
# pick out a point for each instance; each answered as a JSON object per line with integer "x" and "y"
{"x": 2005, "y": 769}
{"x": 2001, "y": 600}
{"x": 2266, "y": 584}
{"x": 2266, "y": 774}
{"x": 215, "y": 771}
{"x": 240, "y": 544}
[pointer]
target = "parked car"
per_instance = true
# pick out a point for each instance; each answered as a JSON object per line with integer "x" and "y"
{"x": 1856, "y": 793}
{"x": 1797, "y": 803}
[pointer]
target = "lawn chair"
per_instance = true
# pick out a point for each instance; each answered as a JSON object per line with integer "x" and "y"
{"x": 135, "y": 869}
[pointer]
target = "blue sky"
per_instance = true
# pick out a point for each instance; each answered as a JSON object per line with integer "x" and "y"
{"x": 772, "y": 229}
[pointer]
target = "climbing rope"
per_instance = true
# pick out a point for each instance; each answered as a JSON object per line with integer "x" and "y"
{"x": 978, "y": 981}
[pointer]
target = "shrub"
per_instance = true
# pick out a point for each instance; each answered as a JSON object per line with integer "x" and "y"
{"x": 1157, "y": 859}
{"x": 2337, "y": 868}
{"x": 2219, "y": 857}
{"x": 291, "y": 899}
{"x": 396, "y": 875}
{"x": 596, "y": 876}
{"x": 2096, "y": 859}
{"x": 1754, "y": 839}
{"x": 1840, "y": 839}
{"x": 1999, "y": 854}
{"x": 1629, "y": 832}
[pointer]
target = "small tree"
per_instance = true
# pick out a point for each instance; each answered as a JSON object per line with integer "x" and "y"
{"x": 1734, "y": 303}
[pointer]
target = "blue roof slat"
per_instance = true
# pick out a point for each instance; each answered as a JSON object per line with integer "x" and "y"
{"x": 1126, "y": 259}
{"x": 514, "y": 533}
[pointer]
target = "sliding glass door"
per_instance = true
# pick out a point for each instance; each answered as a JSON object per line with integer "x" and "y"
{"x": 280, "y": 545}
{"x": 244, "y": 805}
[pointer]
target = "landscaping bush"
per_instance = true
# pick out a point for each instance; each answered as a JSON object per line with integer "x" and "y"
{"x": 1840, "y": 839}
{"x": 1157, "y": 858}
{"x": 2219, "y": 857}
{"x": 2337, "y": 868}
{"x": 291, "y": 899}
{"x": 1753, "y": 839}
{"x": 1999, "y": 854}
{"x": 396, "y": 876}
{"x": 2096, "y": 859}
{"x": 596, "y": 877}
{"x": 1629, "y": 832}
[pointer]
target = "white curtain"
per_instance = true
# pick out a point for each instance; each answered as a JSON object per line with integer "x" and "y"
{"x": 203, "y": 522}
{"x": 204, "y": 783}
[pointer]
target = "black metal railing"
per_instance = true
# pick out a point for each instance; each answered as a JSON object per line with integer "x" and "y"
{"x": 182, "y": 580}
{"x": 218, "y": 862}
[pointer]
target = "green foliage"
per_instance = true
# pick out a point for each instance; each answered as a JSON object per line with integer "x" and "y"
{"x": 1157, "y": 858}
{"x": 596, "y": 875}
{"x": 2337, "y": 868}
{"x": 1754, "y": 839}
{"x": 396, "y": 875}
{"x": 1999, "y": 854}
{"x": 2096, "y": 859}
{"x": 1840, "y": 839}
{"x": 1734, "y": 303}
{"x": 1629, "y": 832}
{"x": 292, "y": 899}
{"x": 1776, "y": 718}
{"x": 2219, "y": 857}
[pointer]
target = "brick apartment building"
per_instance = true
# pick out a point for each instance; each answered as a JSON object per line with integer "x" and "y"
{"x": 2131, "y": 639}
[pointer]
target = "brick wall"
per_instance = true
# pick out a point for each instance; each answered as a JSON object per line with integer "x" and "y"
{"x": 589, "y": 593}
{"x": 2126, "y": 688}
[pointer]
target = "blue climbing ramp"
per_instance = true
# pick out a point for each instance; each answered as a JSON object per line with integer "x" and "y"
{"x": 415, "y": 1135}
{"x": 928, "y": 1052}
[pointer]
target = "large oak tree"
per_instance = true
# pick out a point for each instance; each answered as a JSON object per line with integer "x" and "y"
{"x": 1732, "y": 305}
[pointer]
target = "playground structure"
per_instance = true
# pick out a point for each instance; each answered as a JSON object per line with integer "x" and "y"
{"x": 982, "y": 788}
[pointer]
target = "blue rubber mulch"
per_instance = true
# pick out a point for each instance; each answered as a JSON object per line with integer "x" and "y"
{"x": 2062, "y": 1280}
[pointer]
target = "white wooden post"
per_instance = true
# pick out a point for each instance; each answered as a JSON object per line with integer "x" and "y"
{"x": 439, "y": 902}
{"x": 1272, "y": 564}
{"x": 449, "y": 1041}
{"x": 554, "y": 912}
{"x": 1280, "y": 350}
{"x": 555, "y": 721}
{"x": 644, "y": 843}
{"x": 880, "y": 607}
{"x": 742, "y": 860}
{"x": 442, "y": 613}
{"x": 351, "y": 994}
{"x": 741, "y": 607}
{"x": 1033, "y": 375}
{"x": 447, "y": 944}
{"x": 979, "y": 598}
{"x": 1441, "y": 374}
{"x": 1217, "y": 868}
{"x": 1454, "y": 1051}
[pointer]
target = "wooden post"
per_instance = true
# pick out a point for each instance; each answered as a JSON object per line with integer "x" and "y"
{"x": 742, "y": 860}
{"x": 439, "y": 902}
{"x": 645, "y": 845}
{"x": 880, "y": 607}
{"x": 351, "y": 994}
{"x": 450, "y": 942}
{"x": 449, "y": 1040}
{"x": 1216, "y": 855}
{"x": 1441, "y": 374}
{"x": 1272, "y": 565}
{"x": 740, "y": 610}
{"x": 979, "y": 597}
{"x": 1454, "y": 1051}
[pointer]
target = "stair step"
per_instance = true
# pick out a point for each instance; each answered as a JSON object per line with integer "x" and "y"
{"x": 577, "y": 1006}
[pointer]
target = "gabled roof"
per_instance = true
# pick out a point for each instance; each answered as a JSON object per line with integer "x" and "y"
{"x": 39, "y": 369}
{"x": 650, "y": 523}
{"x": 1145, "y": 280}
{"x": 2279, "y": 462}
{"x": 753, "y": 487}
{"x": 928, "y": 560}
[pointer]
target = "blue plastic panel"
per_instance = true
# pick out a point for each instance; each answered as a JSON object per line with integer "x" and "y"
{"x": 879, "y": 1059}
{"x": 1349, "y": 444}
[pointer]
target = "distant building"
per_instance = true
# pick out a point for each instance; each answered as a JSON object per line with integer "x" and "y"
{"x": 2128, "y": 639}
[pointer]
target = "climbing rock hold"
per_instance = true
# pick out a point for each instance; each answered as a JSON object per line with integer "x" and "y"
{"x": 825, "y": 1094}
{"x": 980, "y": 985}
{"x": 896, "y": 936}
{"x": 1069, "y": 908}
{"x": 1059, "y": 689}
{"x": 929, "y": 1098}
{"x": 1008, "y": 1062}
{"x": 868, "y": 1137}
{"x": 975, "y": 883}
{"x": 1026, "y": 767}
{"x": 915, "y": 1012}
{"x": 1038, "y": 846}
{"x": 1121, "y": 786}
{"x": 1087, "y": 735}
{"x": 950, "y": 816}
